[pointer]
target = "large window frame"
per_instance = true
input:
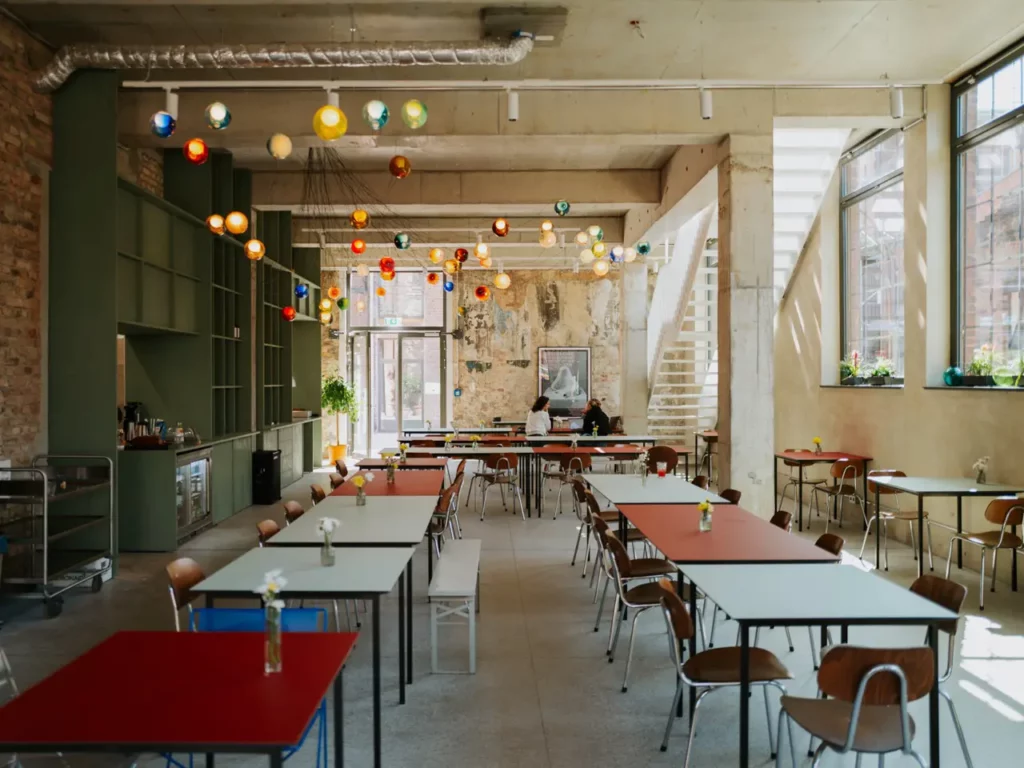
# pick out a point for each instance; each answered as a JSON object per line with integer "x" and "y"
{"x": 962, "y": 141}
{"x": 849, "y": 198}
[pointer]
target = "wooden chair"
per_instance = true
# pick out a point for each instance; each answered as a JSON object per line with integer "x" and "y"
{"x": 292, "y": 511}
{"x": 1007, "y": 513}
{"x": 731, "y": 495}
{"x": 183, "y": 574}
{"x": 782, "y": 520}
{"x": 712, "y": 669}
{"x": 442, "y": 519}
{"x": 886, "y": 515}
{"x": 662, "y": 454}
{"x": 582, "y": 509}
{"x": 599, "y": 526}
{"x": 569, "y": 466}
{"x": 868, "y": 690}
{"x": 266, "y": 530}
{"x": 831, "y": 543}
{"x": 336, "y": 480}
{"x": 504, "y": 474}
{"x": 701, "y": 481}
{"x": 844, "y": 474}
{"x": 317, "y": 494}
{"x": 340, "y": 466}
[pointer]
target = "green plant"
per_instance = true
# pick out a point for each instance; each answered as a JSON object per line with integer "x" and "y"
{"x": 983, "y": 362}
{"x": 882, "y": 367}
{"x": 337, "y": 397}
{"x": 850, "y": 367}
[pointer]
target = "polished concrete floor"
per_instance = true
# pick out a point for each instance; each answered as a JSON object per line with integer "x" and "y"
{"x": 544, "y": 693}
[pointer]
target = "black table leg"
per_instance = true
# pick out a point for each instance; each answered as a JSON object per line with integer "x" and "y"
{"x": 822, "y": 640}
{"x": 933, "y": 700}
{"x": 408, "y": 622}
{"x": 744, "y": 695}
{"x": 686, "y": 463}
{"x": 276, "y": 759}
{"x": 920, "y": 536}
{"x": 430, "y": 559}
{"x": 959, "y": 529}
{"x": 401, "y": 638}
{"x": 800, "y": 496}
{"x": 376, "y": 682}
{"x": 775, "y": 484}
{"x": 844, "y": 634}
{"x": 693, "y": 645}
{"x": 339, "y": 720}
{"x": 878, "y": 531}
{"x": 209, "y": 760}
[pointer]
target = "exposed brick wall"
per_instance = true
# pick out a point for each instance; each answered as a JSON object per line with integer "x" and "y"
{"x": 25, "y": 154}
{"x": 143, "y": 168}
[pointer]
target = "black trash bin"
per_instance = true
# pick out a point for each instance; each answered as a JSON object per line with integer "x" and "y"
{"x": 266, "y": 477}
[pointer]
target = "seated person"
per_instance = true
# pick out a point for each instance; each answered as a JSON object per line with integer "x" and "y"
{"x": 593, "y": 417}
{"x": 538, "y": 420}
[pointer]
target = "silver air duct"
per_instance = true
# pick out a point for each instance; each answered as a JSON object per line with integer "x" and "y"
{"x": 278, "y": 56}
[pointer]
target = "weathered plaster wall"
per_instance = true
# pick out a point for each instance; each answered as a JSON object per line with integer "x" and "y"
{"x": 496, "y": 362}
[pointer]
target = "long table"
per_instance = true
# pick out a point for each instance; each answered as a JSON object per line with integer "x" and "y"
{"x": 379, "y": 465}
{"x": 425, "y": 483}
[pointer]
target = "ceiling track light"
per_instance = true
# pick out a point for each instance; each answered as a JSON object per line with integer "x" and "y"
{"x": 333, "y": 98}
{"x": 896, "y": 102}
{"x": 171, "y": 104}
{"x": 705, "y": 104}
{"x": 513, "y": 105}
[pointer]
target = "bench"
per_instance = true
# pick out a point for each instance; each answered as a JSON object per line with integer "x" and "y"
{"x": 454, "y": 591}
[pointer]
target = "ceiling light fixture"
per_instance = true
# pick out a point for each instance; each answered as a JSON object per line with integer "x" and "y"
{"x": 705, "y": 104}
{"x": 513, "y": 105}
{"x": 895, "y": 102}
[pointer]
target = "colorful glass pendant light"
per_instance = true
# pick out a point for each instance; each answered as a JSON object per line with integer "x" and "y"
{"x": 461, "y": 254}
{"x": 616, "y": 254}
{"x": 375, "y": 113}
{"x": 325, "y": 305}
{"x": 414, "y": 113}
{"x": 362, "y": 270}
{"x": 288, "y": 313}
{"x": 196, "y": 151}
{"x": 548, "y": 239}
{"x": 329, "y": 122}
{"x": 436, "y": 255}
{"x": 162, "y": 124}
{"x": 325, "y": 317}
{"x": 359, "y": 219}
{"x": 482, "y": 293}
{"x": 215, "y": 223}
{"x": 387, "y": 276}
{"x": 595, "y": 232}
{"x": 343, "y": 303}
{"x": 601, "y": 267}
{"x": 582, "y": 238}
{"x": 629, "y": 255}
{"x": 502, "y": 280}
{"x": 218, "y": 116}
{"x": 547, "y": 226}
{"x": 451, "y": 266}
{"x": 481, "y": 249}
{"x": 500, "y": 227}
{"x": 586, "y": 256}
{"x": 360, "y": 306}
{"x": 449, "y": 286}
{"x": 255, "y": 250}
{"x": 600, "y": 249}
{"x": 400, "y": 167}
{"x": 386, "y": 264}
{"x": 333, "y": 293}
{"x": 236, "y": 222}
{"x": 302, "y": 290}
{"x": 279, "y": 146}
{"x": 358, "y": 246}
{"x": 402, "y": 241}
{"x": 433, "y": 278}
{"x": 562, "y": 207}
{"x": 381, "y": 291}
{"x": 486, "y": 262}
{"x": 643, "y": 247}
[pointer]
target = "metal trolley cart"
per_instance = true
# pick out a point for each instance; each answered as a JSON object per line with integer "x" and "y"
{"x": 28, "y": 497}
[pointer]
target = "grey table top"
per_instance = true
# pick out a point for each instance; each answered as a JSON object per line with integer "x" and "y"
{"x": 946, "y": 486}
{"x": 385, "y": 521}
{"x": 357, "y": 571}
{"x": 630, "y": 489}
{"x": 584, "y": 439}
{"x": 828, "y": 594}
{"x": 464, "y": 450}
{"x": 463, "y": 431}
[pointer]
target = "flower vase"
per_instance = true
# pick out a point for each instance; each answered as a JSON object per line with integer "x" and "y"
{"x": 402, "y": 457}
{"x": 476, "y": 446}
{"x": 980, "y": 479}
{"x": 272, "y": 641}
{"x": 817, "y": 450}
{"x": 391, "y": 474}
{"x": 327, "y": 552}
{"x": 643, "y": 477}
{"x": 360, "y": 497}
{"x": 705, "y": 521}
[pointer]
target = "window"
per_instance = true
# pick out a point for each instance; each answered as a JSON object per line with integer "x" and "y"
{"x": 872, "y": 253}
{"x": 409, "y": 301}
{"x": 989, "y": 242}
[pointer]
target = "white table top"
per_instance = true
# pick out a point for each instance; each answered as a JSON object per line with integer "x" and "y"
{"x": 827, "y": 594}
{"x": 463, "y": 431}
{"x": 583, "y": 439}
{"x": 356, "y": 571}
{"x": 946, "y": 486}
{"x": 385, "y": 521}
{"x": 629, "y": 489}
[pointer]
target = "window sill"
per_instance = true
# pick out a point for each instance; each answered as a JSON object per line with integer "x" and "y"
{"x": 982, "y": 389}
{"x": 863, "y": 386}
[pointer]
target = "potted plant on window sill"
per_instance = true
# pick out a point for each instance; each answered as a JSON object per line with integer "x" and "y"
{"x": 338, "y": 398}
{"x": 849, "y": 370}
{"x": 1010, "y": 375}
{"x": 979, "y": 370}
{"x": 881, "y": 372}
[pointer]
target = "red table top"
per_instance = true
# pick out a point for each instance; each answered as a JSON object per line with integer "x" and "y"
{"x": 825, "y": 457}
{"x": 426, "y": 482}
{"x": 567, "y": 450}
{"x": 178, "y": 691}
{"x": 736, "y": 536}
{"x": 464, "y": 438}
{"x": 410, "y": 463}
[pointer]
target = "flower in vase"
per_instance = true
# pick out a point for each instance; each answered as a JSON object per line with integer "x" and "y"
{"x": 359, "y": 481}
{"x": 369, "y": 477}
{"x": 981, "y": 465}
{"x": 475, "y": 438}
{"x": 706, "y": 506}
{"x": 449, "y": 438}
{"x": 327, "y": 525}
{"x": 816, "y": 441}
{"x": 403, "y": 447}
{"x": 273, "y": 583}
{"x": 278, "y": 604}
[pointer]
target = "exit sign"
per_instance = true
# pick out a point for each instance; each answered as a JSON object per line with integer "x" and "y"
{"x": 392, "y": 320}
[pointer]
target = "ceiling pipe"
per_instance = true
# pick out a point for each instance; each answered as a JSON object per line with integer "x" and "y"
{"x": 279, "y": 56}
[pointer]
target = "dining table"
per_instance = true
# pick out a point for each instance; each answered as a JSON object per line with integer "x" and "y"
{"x": 413, "y": 462}
{"x": 804, "y": 459}
{"x": 424, "y": 483}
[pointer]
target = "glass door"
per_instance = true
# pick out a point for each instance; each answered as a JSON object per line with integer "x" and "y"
{"x": 420, "y": 360}
{"x": 359, "y": 379}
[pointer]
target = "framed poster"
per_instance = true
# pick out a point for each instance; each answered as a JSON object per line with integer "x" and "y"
{"x": 563, "y": 374}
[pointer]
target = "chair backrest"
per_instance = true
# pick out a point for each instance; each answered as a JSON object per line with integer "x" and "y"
{"x": 701, "y": 481}
{"x": 254, "y": 619}
{"x": 446, "y": 500}
{"x": 1008, "y": 511}
{"x": 676, "y": 616}
{"x": 593, "y": 506}
{"x": 793, "y": 450}
{"x": 266, "y": 530}
{"x": 421, "y": 443}
{"x": 944, "y": 592}
{"x": 847, "y": 469}
{"x": 507, "y": 461}
{"x": 731, "y": 495}
{"x": 575, "y": 463}
{"x": 618, "y": 553}
{"x": 183, "y": 574}
{"x": 845, "y": 666}
{"x": 340, "y": 466}
{"x": 830, "y": 543}
{"x": 316, "y": 493}
{"x": 579, "y": 490}
{"x": 663, "y": 454}
{"x": 615, "y": 423}
{"x": 782, "y": 519}
{"x": 292, "y": 511}
{"x": 461, "y": 467}
{"x": 336, "y": 480}
{"x": 884, "y": 489}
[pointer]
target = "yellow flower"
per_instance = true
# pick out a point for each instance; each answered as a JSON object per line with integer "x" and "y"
{"x": 358, "y": 481}
{"x": 705, "y": 506}
{"x": 475, "y": 438}
{"x": 387, "y": 454}
{"x": 816, "y": 441}
{"x": 403, "y": 447}
{"x": 449, "y": 438}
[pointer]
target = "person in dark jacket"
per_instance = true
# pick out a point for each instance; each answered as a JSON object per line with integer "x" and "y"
{"x": 593, "y": 417}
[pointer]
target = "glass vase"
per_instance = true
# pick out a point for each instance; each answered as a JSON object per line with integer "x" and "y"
{"x": 272, "y": 641}
{"x": 817, "y": 449}
{"x": 391, "y": 474}
{"x": 643, "y": 476}
{"x": 980, "y": 478}
{"x": 705, "y": 521}
{"x": 360, "y": 498}
{"x": 327, "y": 552}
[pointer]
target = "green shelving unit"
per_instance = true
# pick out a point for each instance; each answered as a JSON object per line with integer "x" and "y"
{"x": 274, "y": 369}
{"x": 230, "y": 287}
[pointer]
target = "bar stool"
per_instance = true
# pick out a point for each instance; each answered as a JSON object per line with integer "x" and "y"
{"x": 710, "y": 437}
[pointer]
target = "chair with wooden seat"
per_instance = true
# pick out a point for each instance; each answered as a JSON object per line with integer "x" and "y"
{"x": 602, "y": 565}
{"x": 710, "y": 438}
{"x": 183, "y": 574}
{"x": 266, "y": 530}
{"x": 886, "y": 516}
{"x": 712, "y": 669}
{"x": 568, "y": 467}
{"x": 1007, "y": 513}
{"x": 868, "y": 691}
{"x": 731, "y": 495}
{"x": 844, "y": 475}
{"x": 336, "y": 480}
{"x": 793, "y": 481}
{"x": 505, "y": 474}
{"x": 701, "y": 481}
{"x": 292, "y": 511}
{"x": 782, "y": 520}
{"x": 316, "y": 494}
{"x": 662, "y": 454}
{"x": 442, "y": 519}
{"x": 339, "y": 465}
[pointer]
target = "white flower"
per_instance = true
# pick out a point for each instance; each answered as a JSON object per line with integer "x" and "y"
{"x": 369, "y": 477}
{"x": 279, "y": 604}
{"x": 273, "y": 584}
{"x": 328, "y": 524}
{"x": 981, "y": 464}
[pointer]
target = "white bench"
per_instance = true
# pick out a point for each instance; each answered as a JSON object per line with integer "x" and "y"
{"x": 454, "y": 591}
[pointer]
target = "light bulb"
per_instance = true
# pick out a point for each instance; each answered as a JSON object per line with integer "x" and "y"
{"x": 586, "y": 256}
{"x": 547, "y": 226}
{"x": 502, "y": 281}
{"x": 601, "y": 267}
{"x": 629, "y": 254}
{"x": 481, "y": 249}
{"x": 255, "y": 250}
{"x": 215, "y": 223}
{"x": 548, "y": 239}
{"x": 582, "y": 238}
{"x": 236, "y": 222}
{"x": 436, "y": 255}
{"x": 599, "y": 249}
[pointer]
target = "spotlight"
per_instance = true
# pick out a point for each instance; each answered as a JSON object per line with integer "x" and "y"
{"x": 895, "y": 102}
{"x": 513, "y": 105}
{"x": 705, "y": 104}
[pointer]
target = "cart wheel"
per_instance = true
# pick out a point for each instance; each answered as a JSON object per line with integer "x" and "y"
{"x": 54, "y": 606}
{"x": 97, "y": 583}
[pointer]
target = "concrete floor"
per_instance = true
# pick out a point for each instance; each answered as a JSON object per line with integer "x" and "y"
{"x": 544, "y": 693}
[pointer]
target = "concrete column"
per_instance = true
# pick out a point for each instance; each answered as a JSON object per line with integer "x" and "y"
{"x": 937, "y": 212}
{"x": 634, "y": 384}
{"x": 746, "y": 309}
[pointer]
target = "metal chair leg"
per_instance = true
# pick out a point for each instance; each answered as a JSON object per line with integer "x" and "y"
{"x": 931, "y": 561}
{"x": 959, "y": 729}
{"x": 629, "y": 653}
{"x": 981, "y": 595}
{"x": 913, "y": 543}
{"x": 693, "y": 726}
{"x": 995, "y": 554}
{"x": 600, "y": 607}
{"x": 613, "y": 634}
{"x": 789, "y": 640}
{"x": 576, "y": 549}
{"x": 680, "y": 686}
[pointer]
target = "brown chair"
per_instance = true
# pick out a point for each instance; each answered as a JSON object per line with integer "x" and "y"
{"x": 950, "y": 596}
{"x": 292, "y": 511}
{"x": 844, "y": 475}
{"x": 886, "y": 515}
{"x": 868, "y": 690}
{"x": 266, "y": 530}
{"x": 422, "y": 443}
{"x": 442, "y": 519}
{"x": 504, "y": 473}
{"x": 569, "y": 466}
{"x": 731, "y": 495}
{"x": 317, "y": 494}
{"x": 830, "y": 543}
{"x": 782, "y": 520}
{"x": 1007, "y": 513}
{"x": 582, "y": 509}
{"x": 701, "y": 481}
{"x": 599, "y": 526}
{"x": 713, "y": 669}
{"x": 183, "y": 574}
{"x": 662, "y": 454}
{"x": 336, "y": 480}
{"x": 793, "y": 481}
{"x": 340, "y": 466}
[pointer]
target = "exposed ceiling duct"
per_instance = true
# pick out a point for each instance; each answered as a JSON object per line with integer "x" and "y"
{"x": 279, "y": 56}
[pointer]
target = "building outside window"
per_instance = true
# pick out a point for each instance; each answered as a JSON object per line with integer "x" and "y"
{"x": 987, "y": 336}
{"x": 872, "y": 253}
